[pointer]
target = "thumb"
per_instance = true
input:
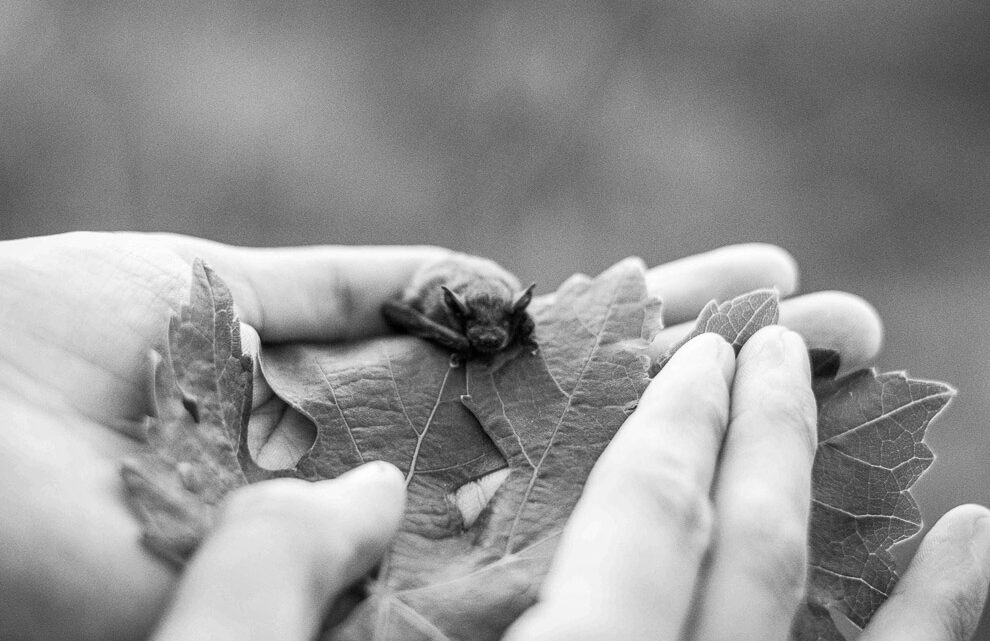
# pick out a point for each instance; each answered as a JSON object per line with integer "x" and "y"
{"x": 281, "y": 553}
{"x": 321, "y": 292}
{"x": 944, "y": 590}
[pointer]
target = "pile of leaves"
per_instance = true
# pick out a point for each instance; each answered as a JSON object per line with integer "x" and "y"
{"x": 496, "y": 452}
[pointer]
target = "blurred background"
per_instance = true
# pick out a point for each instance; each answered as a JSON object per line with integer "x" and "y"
{"x": 552, "y": 136}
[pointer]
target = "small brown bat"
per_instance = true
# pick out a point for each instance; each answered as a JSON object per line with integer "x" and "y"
{"x": 467, "y": 304}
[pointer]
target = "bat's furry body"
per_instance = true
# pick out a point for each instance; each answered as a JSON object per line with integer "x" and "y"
{"x": 468, "y": 304}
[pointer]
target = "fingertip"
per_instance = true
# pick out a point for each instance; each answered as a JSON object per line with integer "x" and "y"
{"x": 702, "y": 350}
{"x": 377, "y": 481}
{"x": 866, "y": 316}
{"x": 343, "y": 524}
{"x": 708, "y": 341}
{"x": 695, "y": 381}
{"x": 963, "y": 527}
{"x": 944, "y": 590}
{"x": 773, "y": 383}
{"x": 375, "y": 473}
{"x": 837, "y": 321}
{"x": 281, "y": 551}
{"x": 261, "y": 391}
{"x": 686, "y": 284}
{"x": 779, "y": 265}
{"x": 250, "y": 341}
{"x": 778, "y": 346}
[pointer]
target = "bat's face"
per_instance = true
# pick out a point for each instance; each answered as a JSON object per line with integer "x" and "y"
{"x": 488, "y": 328}
{"x": 491, "y": 319}
{"x": 470, "y": 306}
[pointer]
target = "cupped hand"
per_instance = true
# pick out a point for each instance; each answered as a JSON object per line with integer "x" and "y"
{"x": 694, "y": 522}
{"x": 79, "y": 314}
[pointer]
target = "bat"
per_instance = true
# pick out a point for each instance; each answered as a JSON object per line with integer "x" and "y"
{"x": 467, "y": 304}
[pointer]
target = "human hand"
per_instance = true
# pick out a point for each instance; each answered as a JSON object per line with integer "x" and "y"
{"x": 82, "y": 310}
{"x": 79, "y": 314}
{"x": 694, "y": 522}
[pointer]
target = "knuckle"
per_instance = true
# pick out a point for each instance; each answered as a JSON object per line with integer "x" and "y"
{"x": 341, "y": 303}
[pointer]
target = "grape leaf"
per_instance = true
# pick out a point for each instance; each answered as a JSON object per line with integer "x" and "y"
{"x": 523, "y": 430}
{"x": 545, "y": 416}
{"x": 870, "y": 453}
{"x": 735, "y": 320}
{"x": 202, "y": 396}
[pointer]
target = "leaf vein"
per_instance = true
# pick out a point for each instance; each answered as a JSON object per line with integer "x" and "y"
{"x": 560, "y": 421}
{"x": 398, "y": 395}
{"x": 425, "y": 625}
{"x": 846, "y": 577}
{"x": 892, "y": 517}
{"x": 340, "y": 410}
{"x": 853, "y": 457}
{"x": 515, "y": 432}
{"x": 513, "y": 557}
{"x": 892, "y": 413}
{"x": 426, "y": 428}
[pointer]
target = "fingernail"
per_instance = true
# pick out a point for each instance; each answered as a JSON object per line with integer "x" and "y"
{"x": 778, "y": 347}
{"x": 769, "y": 343}
{"x": 712, "y": 347}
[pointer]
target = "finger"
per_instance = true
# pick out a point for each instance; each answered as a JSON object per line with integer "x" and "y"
{"x": 261, "y": 392}
{"x": 282, "y": 552}
{"x": 687, "y": 284}
{"x": 310, "y": 293}
{"x": 629, "y": 557}
{"x": 837, "y": 321}
{"x": 943, "y": 592}
{"x": 756, "y": 576}
{"x": 277, "y": 435}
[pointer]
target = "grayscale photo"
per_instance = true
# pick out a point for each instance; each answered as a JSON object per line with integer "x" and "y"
{"x": 494, "y": 321}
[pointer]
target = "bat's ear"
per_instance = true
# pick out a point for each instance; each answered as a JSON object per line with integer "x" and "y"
{"x": 454, "y": 301}
{"x": 522, "y": 300}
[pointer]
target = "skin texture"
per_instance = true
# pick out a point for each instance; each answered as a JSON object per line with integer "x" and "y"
{"x": 80, "y": 312}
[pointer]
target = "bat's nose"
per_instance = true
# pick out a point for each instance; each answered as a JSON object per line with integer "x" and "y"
{"x": 487, "y": 339}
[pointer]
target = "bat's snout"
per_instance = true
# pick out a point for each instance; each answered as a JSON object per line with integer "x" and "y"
{"x": 487, "y": 340}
